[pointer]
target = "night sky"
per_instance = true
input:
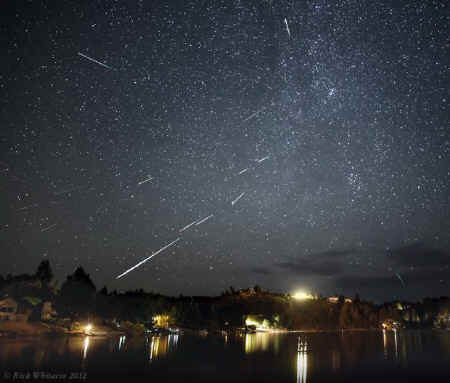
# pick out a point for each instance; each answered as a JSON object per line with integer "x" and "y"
{"x": 124, "y": 122}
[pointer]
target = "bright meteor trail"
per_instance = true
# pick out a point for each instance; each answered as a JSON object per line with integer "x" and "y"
{"x": 287, "y": 27}
{"x": 243, "y": 171}
{"x": 204, "y": 220}
{"x": 146, "y": 259}
{"x": 187, "y": 226}
{"x": 94, "y": 60}
{"x": 237, "y": 198}
{"x": 144, "y": 181}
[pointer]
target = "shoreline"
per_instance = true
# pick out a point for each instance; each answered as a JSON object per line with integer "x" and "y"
{"x": 33, "y": 330}
{"x": 11, "y": 330}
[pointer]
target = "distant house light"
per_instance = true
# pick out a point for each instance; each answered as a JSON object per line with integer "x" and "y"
{"x": 336, "y": 300}
{"x": 258, "y": 321}
{"x": 161, "y": 320}
{"x": 333, "y": 299}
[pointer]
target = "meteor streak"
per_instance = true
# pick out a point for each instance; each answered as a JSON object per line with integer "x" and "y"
{"x": 243, "y": 171}
{"x": 148, "y": 258}
{"x": 262, "y": 159}
{"x": 237, "y": 199}
{"x": 255, "y": 114}
{"x": 186, "y": 227}
{"x": 400, "y": 278}
{"x": 287, "y": 27}
{"x": 204, "y": 219}
{"x": 48, "y": 227}
{"x": 146, "y": 180}
{"x": 94, "y": 60}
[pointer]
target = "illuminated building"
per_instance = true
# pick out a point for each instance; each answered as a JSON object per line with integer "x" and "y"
{"x": 262, "y": 323}
{"x": 161, "y": 320}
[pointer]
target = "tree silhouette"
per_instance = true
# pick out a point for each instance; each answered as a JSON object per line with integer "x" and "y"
{"x": 44, "y": 272}
{"x": 77, "y": 294}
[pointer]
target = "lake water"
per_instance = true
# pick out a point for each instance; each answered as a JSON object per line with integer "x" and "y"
{"x": 295, "y": 357}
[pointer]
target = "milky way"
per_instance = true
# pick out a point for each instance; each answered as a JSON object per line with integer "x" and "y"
{"x": 125, "y": 124}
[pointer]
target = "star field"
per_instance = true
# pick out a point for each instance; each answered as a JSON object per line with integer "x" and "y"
{"x": 123, "y": 122}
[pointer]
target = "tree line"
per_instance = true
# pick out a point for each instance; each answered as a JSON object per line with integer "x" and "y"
{"x": 77, "y": 298}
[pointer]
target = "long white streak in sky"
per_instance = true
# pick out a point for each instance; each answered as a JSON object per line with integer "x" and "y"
{"x": 148, "y": 258}
{"x": 186, "y": 227}
{"x": 262, "y": 159}
{"x": 48, "y": 227}
{"x": 287, "y": 27}
{"x": 146, "y": 180}
{"x": 243, "y": 171}
{"x": 237, "y": 199}
{"x": 94, "y": 60}
{"x": 204, "y": 219}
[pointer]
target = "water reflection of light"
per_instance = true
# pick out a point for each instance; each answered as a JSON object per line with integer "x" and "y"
{"x": 154, "y": 347}
{"x": 173, "y": 341}
{"x": 85, "y": 347}
{"x": 276, "y": 344}
{"x": 395, "y": 342}
{"x": 391, "y": 344}
{"x": 161, "y": 345}
{"x": 256, "y": 342}
{"x": 122, "y": 341}
{"x": 302, "y": 366}
{"x": 302, "y": 345}
{"x": 302, "y": 360}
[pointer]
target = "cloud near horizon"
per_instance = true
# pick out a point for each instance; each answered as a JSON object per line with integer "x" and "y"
{"x": 422, "y": 269}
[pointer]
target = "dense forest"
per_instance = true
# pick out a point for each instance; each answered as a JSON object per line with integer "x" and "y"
{"x": 78, "y": 298}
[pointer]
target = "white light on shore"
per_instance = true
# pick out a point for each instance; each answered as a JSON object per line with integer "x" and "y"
{"x": 302, "y": 295}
